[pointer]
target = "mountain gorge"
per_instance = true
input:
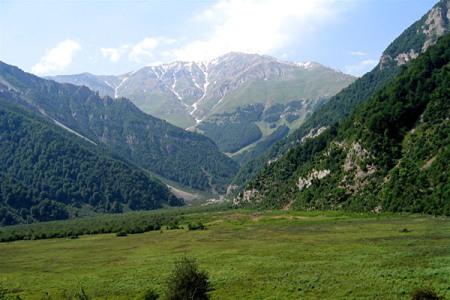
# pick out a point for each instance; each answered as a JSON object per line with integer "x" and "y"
{"x": 209, "y": 96}
{"x": 391, "y": 154}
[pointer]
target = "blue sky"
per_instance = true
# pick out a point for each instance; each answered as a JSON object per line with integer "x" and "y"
{"x": 112, "y": 37}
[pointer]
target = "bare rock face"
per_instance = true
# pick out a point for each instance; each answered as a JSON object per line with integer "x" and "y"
{"x": 247, "y": 196}
{"x": 404, "y": 58}
{"x": 306, "y": 182}
{"x": 434, "y": 25}
{"x": 437, "y": 23}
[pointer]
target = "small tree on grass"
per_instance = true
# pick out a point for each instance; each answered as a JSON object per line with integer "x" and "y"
{"x": 82, "y": 295}
{"x": 150, "y": 294}
{"x": 187, "y": 282}
{"x": 425, "y": 294}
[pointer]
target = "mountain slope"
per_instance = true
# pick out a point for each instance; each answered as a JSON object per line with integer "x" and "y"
{"x": 415, "y": 39}
{"x": 391, "y": 154}
{"x": 209, "y": 96}
{"x": 183, "y": 92}
{"x": 116, "y": 124}
{"x": 48, "y": 173}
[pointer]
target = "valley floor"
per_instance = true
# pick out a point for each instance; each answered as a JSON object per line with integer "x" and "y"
{"x": 248, "y": 255}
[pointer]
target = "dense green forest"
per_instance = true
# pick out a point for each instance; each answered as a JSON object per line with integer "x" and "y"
{"x": 233, "y": 131}
{"x": 232, "y": 136}
{"x": 391, "y": 154}
{"x": 280, "y": 133}
{"x": 344, "y": 103}
{"x": 119, "y": 126}
{"x": 48, "y": 173}
{"x": 121, "y": 224}
{"x": 339, "y": 107}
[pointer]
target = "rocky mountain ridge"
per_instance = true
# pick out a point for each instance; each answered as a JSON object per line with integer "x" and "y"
{"x": 421, "y": 35}
{"x": 185, "y": 93}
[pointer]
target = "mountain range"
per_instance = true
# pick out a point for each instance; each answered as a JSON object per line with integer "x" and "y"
{"x": 259, "y": 93}
{"x": 114, "y": 127}
{"x": 379, "y": 145}
{"x": 413, "y": 41}
{"x": 390, "y": 154}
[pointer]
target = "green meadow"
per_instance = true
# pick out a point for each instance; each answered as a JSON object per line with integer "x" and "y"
{"x": 248, "y": 255}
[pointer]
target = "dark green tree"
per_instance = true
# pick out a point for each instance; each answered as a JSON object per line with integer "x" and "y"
{"x": 425, "y": 294}
{"x": 187, "y": 282}
{"x": 150, "y": 294}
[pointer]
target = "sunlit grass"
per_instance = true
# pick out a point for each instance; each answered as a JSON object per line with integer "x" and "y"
{"x": 273, "y": 255}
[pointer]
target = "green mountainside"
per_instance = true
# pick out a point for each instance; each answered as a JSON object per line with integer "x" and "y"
{"x": 119, "y": 126}
{"x": 417, "y": 38}
{"x": 209, "y": 96}
{"x": 254, "y": 127}
{"x": 48, "y": 173}
{"x": 279, "y": 96}
{"x": 391, "y": 154}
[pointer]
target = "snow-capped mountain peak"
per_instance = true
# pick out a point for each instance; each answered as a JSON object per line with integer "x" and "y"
{"x": 187, "y": 92}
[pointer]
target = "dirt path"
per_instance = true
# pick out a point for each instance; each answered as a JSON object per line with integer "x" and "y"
{"x": 182, "y": 194}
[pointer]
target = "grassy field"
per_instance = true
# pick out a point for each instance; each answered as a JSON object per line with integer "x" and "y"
{"x": 271, "y": 255}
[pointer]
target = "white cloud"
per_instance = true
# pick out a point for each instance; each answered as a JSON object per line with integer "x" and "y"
{"x": 143, "y": 49}
{"x": 249, "y": 26}
{"x": 361, "y": 68}
{"x": 255, "y": 26}
{"x": 58, "y": 58}
{"x": 358, "y": 53}
{"x": 136, "y": 52}
{"x": 114, "y": 54}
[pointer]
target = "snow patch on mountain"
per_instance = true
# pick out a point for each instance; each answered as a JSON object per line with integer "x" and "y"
{"x": 306, "y": 65}
{"x": 116, "y": 87}
{"x": 204, "y": 67}
{"x": 197, "y": 120}
{"x": 174, "y": 86}
{"x": 155, "y": 70}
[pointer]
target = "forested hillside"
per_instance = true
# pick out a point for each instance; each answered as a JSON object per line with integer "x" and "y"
{"x": 117, "y": 125}
{"x": 47, "y": 173}
{"x": 401, "y": 51}
{"x": 391, "y": 154}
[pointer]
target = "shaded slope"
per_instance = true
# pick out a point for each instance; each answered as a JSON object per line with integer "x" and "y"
{"x": 48, "y": 173}
{"x": 116, "y": 124}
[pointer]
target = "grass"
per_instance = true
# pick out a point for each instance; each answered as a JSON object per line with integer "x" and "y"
{"x": 270, "y": 255}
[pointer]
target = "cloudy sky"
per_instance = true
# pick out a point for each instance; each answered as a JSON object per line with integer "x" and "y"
{"x": 117, "y": 36}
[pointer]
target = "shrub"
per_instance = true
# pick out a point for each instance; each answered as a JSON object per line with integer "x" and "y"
{"x": 425, "y": 294}
{"x": 187, "y": 281}
{"x": 81, "y": 295}
{"x": 150, "y": 294}
{"x": 196, "y": 226}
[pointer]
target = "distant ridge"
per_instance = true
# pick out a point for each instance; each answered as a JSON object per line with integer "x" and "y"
{"x": 208, "y": 96}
